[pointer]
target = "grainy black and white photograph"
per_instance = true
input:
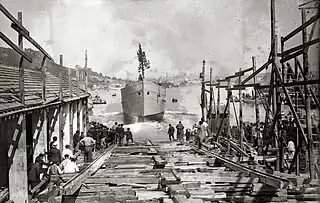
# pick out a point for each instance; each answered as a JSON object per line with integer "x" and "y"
{"x": 159, "y": 101}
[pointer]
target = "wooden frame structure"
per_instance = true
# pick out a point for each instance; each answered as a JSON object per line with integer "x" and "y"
{"x": 280, "y": 90}
{"x": 18, "y": 181}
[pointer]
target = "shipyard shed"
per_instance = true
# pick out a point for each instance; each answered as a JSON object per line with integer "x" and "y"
{"x": 53, "y": 106}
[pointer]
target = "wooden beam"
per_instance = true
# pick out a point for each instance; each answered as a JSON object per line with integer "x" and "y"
{"x": 301, "y": 27}
{"x": 245, "y": 70}
{"x": 14, "y": 47}
{"x": 32, "y": 41}
{"x": 257, "y": 72}
{"x": 61, "y": 108}
{"x": 266, "y": 178}
{"x": 12, "y": 18}
{"x": 235, "y": 75}
{"x": 18, "y": 176}
{"x": 43, "y": 71}
{"x": 236, "y": 88}
{"x": 72, "y": 185}
{"x": 214, "y": 84}
{"x": 242, "y": 87}
{"x": 240, "y": 126}
{"x": 290, "y": 84}
{"x": 221, "y": 86}
{"x": 291, "y": 56}
{"x": 86, "y": 71}
{"x": 306, "y": 70}
{"x": 302, "y": 46}
{"x": 78, "y": 85}
{"x": 203, "y": 98}
{"x": 257, "y": 111}
{"x": 222, "y": 80}
{"x": 27, "y": 109}
{"x": 70, "y": 107}
{"x": 70, "y": 82}
{"x": 86, "y": 125}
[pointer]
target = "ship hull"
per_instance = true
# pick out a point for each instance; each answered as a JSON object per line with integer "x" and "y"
{"x": 143, "y": 101}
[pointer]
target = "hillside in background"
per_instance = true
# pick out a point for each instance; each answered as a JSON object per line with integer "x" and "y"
{"x": 10, "y": 57}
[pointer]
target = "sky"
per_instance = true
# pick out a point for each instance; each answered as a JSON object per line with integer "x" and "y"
{"x": 176, "y": 34}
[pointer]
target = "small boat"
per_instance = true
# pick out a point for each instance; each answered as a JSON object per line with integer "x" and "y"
{"x": 174, "y": 100}
{"x": 98, "y": 100}
{"x": 114, "y": 94}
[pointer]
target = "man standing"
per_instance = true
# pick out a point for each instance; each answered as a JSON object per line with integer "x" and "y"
{"x": 128, "y": 134}
{"x": 180, "y": 128}
{"x": 87, "y": 143}
{"x": 188, "y": 134}
{"x": 113, "y": 132}
{"x": 68, "y": 151}
{"x": 121, "y": 134}
{"x": 171, "y": 132}
{"x": 54, "y": 154}
{"x": 54, "y": 141}
{"x": 54, "y": 173}
{"x": 34, "y": 173}
{"x": 117, "y": 133}
{"x": 76, "y": 139}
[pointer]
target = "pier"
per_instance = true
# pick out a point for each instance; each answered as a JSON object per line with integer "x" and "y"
{"x": 162, "y": 171}
{"x": 226, "y": 166}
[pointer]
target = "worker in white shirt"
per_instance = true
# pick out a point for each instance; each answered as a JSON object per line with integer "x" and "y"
{"x": 68, "y": 151}
{"x": 68, "y": 165}
{"x": 87, "y": 143}
{"x": 291, "y": 147}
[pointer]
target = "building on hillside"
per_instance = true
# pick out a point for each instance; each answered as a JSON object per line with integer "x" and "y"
{"x": 53, "y": 106}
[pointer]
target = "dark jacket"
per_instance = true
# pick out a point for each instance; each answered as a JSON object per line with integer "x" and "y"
{"x": 54, "y": 155}
{"x": 171, "y": 130}
{"x": 122, "y": 132}
{"x": 128, "y": 135}
{"x": 34, "y": 172}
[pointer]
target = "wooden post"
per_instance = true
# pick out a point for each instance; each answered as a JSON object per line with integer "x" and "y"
{"x": 210, "y": 103}
{"x": 70, "y": 82}
{"x": 70, "y": 108}
{"x": 296, "y": 109}
{"x": 218, "y": 107}
{"x": 203, "y": 91}
{"x": 256, "y": 102}
{"x": 45, "y": 113}
{"x": 18, "y": 176}
{"x": 218, "y": 101}
{"x": 86, "y": 125}
{"x": 78, "y": 102}
{"x": 273, "y": 55}
{"x": 77, "y": 79}
{"x": 279, "y": 160}
{"x": 297, "y": 138}
{"x": 307, "y": 98}
{"x": 61, "y": 108}
{"x": 240, "y": 116}
{"x": 228, "y": 120}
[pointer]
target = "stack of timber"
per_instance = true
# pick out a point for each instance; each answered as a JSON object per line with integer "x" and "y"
{"x": 160, "y": 171}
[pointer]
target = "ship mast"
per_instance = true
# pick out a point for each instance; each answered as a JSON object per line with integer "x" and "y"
{"x": 143, "y": 62}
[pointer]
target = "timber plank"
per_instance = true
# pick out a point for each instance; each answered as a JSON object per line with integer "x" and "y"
{"x": 184, "y": 199}
{"x": 150, "y": 180}
{"x": 148, "y": 195}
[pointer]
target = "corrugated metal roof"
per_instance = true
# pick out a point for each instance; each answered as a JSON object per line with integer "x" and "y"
{"x": 9, "y": 88}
